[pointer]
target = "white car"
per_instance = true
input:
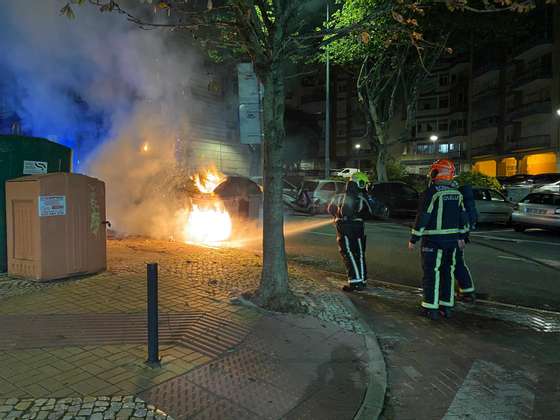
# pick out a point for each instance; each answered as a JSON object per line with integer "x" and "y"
{"x": 317, "y": 193}
{"x": 492, "y": 206}
{"x": 347, "y": 172}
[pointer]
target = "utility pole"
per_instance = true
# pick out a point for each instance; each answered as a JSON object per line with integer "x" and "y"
{"x": 468, "y": 154}
{"x": 328, "y": 111}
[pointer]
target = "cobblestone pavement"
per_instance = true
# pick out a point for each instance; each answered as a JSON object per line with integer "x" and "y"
{"x": 92, "y": 408}
{"x": 472, "y": 366}
{"x": 83, "y": 338}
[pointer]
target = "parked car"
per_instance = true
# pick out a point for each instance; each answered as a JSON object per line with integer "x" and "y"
{"x": 315, "y": 194}
{"x": 515, "y": 179}
{"x": 394, "y": 199}
{"x": 289, "y": 190}
{"x": 544, "y": 179}
{"x": 539, "y": 210}
{"x": 527, "y": 184}
{"x": 347, "y": 172}
{"x": 492, "y": 206}
{"x": 555, "y": 187}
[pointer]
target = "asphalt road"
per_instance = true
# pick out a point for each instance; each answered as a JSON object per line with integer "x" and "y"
{"x": 507, "y": 266}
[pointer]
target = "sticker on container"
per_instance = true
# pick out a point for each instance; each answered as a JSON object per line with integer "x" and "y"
{"x": 52, "y": 205}
{"x": 32, "y": 167}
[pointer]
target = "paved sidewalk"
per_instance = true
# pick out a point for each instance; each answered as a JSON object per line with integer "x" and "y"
{"x": 488, "y": 362}
{"x": 76, "y": 348}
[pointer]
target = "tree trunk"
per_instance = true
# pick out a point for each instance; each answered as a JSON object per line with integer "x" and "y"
{"x": 381, "y": 165}
{"x": 274, "y": 292}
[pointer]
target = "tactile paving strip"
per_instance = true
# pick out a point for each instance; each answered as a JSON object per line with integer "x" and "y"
{"x": 32, "y": 331}
{"x": 180, "y": 398}
{"x": 195, "y": 330}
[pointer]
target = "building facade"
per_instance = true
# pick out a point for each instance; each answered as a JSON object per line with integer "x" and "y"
{"x": 500, "y": 114}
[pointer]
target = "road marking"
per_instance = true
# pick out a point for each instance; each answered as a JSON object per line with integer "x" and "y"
{"x": 492, "y": 392}
{"x": 507, "y": 257}
{"x": 515, "y": 240}
{"x": 554, "y": 263}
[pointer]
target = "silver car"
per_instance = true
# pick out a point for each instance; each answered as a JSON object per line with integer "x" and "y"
{"x": 539, "y": 210}
{"x": 492, "y": 206}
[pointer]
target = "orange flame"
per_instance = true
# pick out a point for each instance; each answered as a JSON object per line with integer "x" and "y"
{"x": 206, "y": 183}
{"x": 208, "y": 225}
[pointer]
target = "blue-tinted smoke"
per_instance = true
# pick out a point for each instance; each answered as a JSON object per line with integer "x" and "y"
{"x": 74, "y": 81}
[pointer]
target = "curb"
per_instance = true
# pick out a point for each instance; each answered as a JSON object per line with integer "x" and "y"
{"x": 374, "y": 398}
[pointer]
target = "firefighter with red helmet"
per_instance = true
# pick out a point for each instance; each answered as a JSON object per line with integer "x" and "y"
{"x": 462, "y": 273}
{"x": 347, "y": 209}
{"x": 441, "y": 225}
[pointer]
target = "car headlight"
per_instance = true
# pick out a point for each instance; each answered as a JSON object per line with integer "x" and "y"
{"x": 557, "y": 211}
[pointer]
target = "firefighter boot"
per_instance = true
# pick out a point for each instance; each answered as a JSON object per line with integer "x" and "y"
{"x": 469, "y": 298}
{"x": 446, "y": 311}
{"x": 432, "y": 314}
{"x": 359, "y": 286}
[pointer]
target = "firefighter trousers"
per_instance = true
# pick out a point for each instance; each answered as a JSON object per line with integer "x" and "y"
{"x": 462, "y": 273}
{"x": 352, "y": 246}
{"x": 438, "y": 266}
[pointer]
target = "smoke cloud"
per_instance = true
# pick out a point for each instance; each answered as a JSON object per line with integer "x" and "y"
{"x": 116, "y": 94}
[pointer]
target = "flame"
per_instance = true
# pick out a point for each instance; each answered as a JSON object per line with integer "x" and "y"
{"x": 207, "y": 182}
{"x": 145, "y": 147}
{"x": 207, "y": 225}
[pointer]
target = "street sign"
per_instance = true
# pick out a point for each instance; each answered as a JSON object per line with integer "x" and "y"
{"x": 250, "y": 128}
{"x": 33, "y": 167}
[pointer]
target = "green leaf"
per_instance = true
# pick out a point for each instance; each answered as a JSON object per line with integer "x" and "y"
{"x": 67, "y": 12}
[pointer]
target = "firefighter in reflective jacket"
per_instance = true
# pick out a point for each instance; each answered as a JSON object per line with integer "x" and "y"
{"x": 462, "y": 272}
{"x": 348, "y": 209}
{"x": 441, "y": 223}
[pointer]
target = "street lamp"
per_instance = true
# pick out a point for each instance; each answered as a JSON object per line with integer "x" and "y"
{"x": 433, "y": 137}
{"x": 558, "y": 112}
{"x": 357, "y": 147}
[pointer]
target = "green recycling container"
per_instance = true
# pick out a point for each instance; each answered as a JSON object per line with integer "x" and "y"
{"x": 21, "y": 156}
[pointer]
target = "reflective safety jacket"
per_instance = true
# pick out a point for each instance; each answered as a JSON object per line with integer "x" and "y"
{"x": 441, "y": 216}
{"x": 349, "y": 206}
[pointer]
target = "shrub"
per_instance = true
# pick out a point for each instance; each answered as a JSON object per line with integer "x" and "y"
{"x": 476, "y": 179}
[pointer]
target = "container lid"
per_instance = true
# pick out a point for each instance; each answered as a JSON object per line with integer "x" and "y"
{"x": 38, "y": 177}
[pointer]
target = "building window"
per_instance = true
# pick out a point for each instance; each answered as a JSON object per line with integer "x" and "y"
{"x": 443, "y": 125}
{"x": 444, "y": 80}
{"x": 427, "y": 104}
{"x": 444, "y": 102}
{"x": 425, "y": 149}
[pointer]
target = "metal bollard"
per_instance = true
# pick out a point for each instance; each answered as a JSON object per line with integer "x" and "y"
{"x": 153, "y": 338}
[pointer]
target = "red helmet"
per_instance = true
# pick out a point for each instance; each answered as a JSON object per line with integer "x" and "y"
{"x": 442, "y": 170}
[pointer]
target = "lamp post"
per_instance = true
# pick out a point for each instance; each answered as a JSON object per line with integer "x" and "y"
{"x": 358, "y": 146}
{"x": 434, "y": 138}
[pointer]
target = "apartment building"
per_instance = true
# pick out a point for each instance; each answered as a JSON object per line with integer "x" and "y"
{"x": 515, "y": 126}
{"x": 500, "y": 118}
{"x": 441, "y": 126}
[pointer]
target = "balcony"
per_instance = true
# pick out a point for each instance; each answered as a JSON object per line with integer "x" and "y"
{"x": 485, "y": 70}
{"x": 533, "y": 108}
{"x": 484, "y": 150}
{"x": 535, "y": 46}
{"x": 486, "y": 91}
{"x": 531, "y": 77}
{"x": 484, "y": 123}
{"x": 529, "y": 142}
